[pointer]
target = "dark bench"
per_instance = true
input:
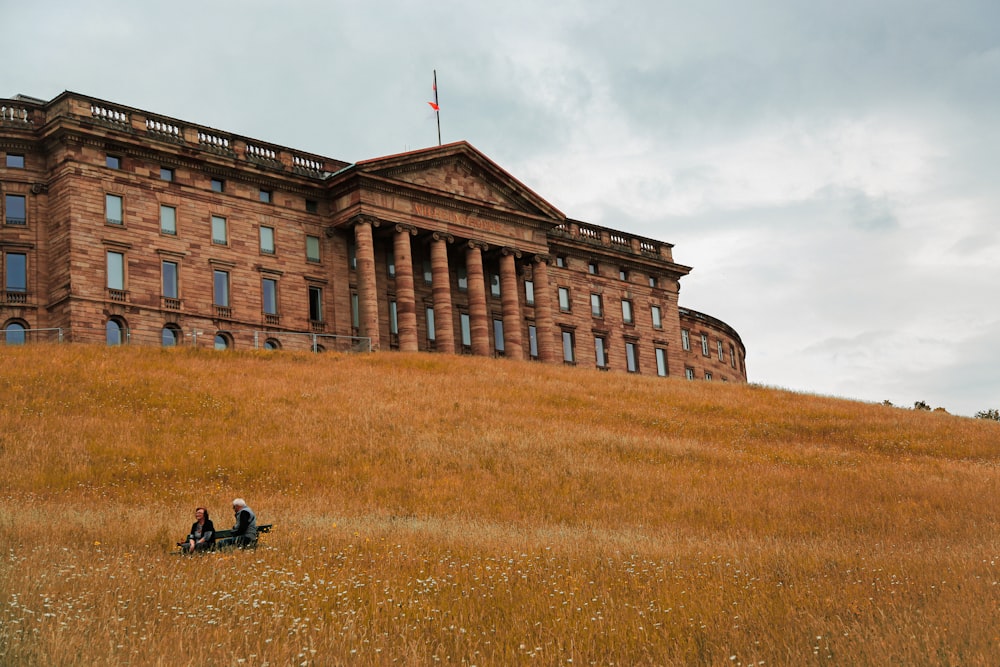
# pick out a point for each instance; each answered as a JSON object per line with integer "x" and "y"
{"x": 228, "y": 532}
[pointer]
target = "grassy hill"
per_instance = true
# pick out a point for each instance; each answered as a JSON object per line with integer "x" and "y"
{"x": 432, "y": 509}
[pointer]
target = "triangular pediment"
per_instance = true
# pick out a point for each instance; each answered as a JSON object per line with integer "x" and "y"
{"x": 460, "y": 171}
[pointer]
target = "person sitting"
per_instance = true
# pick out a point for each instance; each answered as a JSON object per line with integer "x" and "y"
{"x": 244, "y": 534}
{"x": 202, "y": 535}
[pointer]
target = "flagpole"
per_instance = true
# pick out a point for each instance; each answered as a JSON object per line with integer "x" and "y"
{"x": 437, "y": 107}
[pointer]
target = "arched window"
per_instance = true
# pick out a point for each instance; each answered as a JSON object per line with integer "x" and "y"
{"x": 15, "y": 333}
{"x": 171, "y": 335}
{"x": 222, "y": 341}
{"x": 114, "y": 331}
{"x": 272, "y": 344}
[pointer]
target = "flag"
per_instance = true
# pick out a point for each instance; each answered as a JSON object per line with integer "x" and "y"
{"x": 434, "y": 105}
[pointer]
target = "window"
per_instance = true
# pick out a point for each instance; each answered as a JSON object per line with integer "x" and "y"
{"x": 498, "y": 342}
{"x": 169, "y": 271}
{"x": 15, "y": 333}
{"x": 466, "y": 329}
{"x": 561, "y": 261}
{"x": 218, "y": 185}
{"x": 596, "y": 305}
{"x": 113, "y": 162}
{"x": 657, "y": 317}
{"x": 113, "y": 209}
{"x": 718, "y": 347}
{"x": 166, "y": 174}
{"x": 592, "y": 268}
{"x": 622, "y": 274}
{"x": 627, "y": 312}
{"x": 16, "y": 210}
{"x": 689, "y": 373}
{"x": 220, "y": 288}
{"x": 661, "y": 362}
{"x": 704, "y": 344}
{"x": 529, "y": 292}
{"x": 222, "y": 341}
{"x": 708, "y": 376}
{"x": 272, "y": 344}
{"x": 532, "y": 341}
{"x": 170, "y": 335}
{"x": 390, "y": 263}
{"x": 355, "y": 311}
{"x": 631, "y": 358}
{"x": 312, "y": 248}
{"x": 685, "y": 340}
{"x": 600, "y": 348}
{"x": 220, "y": 232}
{"x": 15, "y": 161}
{"x": 113, "y": 332}
{"x": 393, "y": 318}
{"x": 265, "y": 196}
{"x": 312, "y": 206}
{"x": 564, "y": 299}
{"x": 352, "y": 256}
{"x": 569, "y": 354}
{"x": 267, "y": 240}
{"x": 463, "y": 278}
{"x": 654, "y": 282}
{"x": 116, "y": 270}
{"x": 495, "y": 284}
{"x": 269, "y": 296}
{"x": 431, "y": 334}
{"x": 428, "y": 271}
{"x": 16, "y": 271}
{"x": 168, "y": 220}
{"x": 315, "y": 304}
{"x": 732, "y": 355}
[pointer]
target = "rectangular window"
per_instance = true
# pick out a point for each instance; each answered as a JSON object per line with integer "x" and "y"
{"x": 708, "y": 376}
{"x": 220, "y": 288}
{"x": 596, "y": 305}
{"x": 312, "y": 248}
{"x": 560, "y": 261}
{"x": 113, "y": 210}
{"x": 312, "y": 206}
{"x": 661, "y": 362}
{"x": 466, "y": 324}
{"x": 16, "y": 210}
{"x": 166, "y": 174}
{"x": 631, "y": 358}
{"x": 15, "y": 161}
{"x": 498, "y": 342}
{"x": 653, "y": 281}
{"x": 495, "y": 284}
{"x": 600, "y": 349}
{"x": 16, "y": 272}
{"x": 627, "y": 311}
{"x": 168, "y": 220}
{"x": 265, "y": 196}
{"x": 685, "y": 340}
{"x": 315, "y": 304}
{"x": 218, "y": 185}
{"x": 267, "y": 240}
{"x": 393, "y": 318}
{"x": 428, "y": 272}
{"x": 169, "y": 271}
{"x": 704, "y": 344}
{"x": 116, "y": 270}
{"x": 113, "y": 162}
{"x": 657, "y": 317}
{"x": 718, "y": 347}
{"x": 352, "y": 256}
{"x": 622, "y": 274}
{"x": 355, "y": 311}
{"x": 689, "y": 373}
{"x": 569, "y": 354}
{"x": 390, "y": 263}
{"x": 532, "y": 341}
{"x": 463, "y": 277}
{"x": 269, "y": 296}
{"x": 220, "y": 233}
{"x": 431, "y": 333}
{"x": 592, "y": 268}
{"x": 732, "y": 356}
{"x": 564, "y": 299}
{"x": 529, "y": 292}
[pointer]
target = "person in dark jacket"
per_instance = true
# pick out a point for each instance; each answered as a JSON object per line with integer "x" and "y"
{"x": 245, "y": 530}
{"x": 202, "y": 535}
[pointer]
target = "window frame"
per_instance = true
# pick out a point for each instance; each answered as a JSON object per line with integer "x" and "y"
{"x": 8, "y": 197}
{"x": 261, "y": 234}
{"x": 656, "y": 314}
{"x": 176, "y": 286}
{"x": 628, "y": 313}
{"x": 318, "y": 258}
{"x": 631, "y": 356}
{"x": 163, "y": 228}
{"x": 216, "y": 221}
{"x": 565, "y": 303}
{"x": 596, "y": 305}
{"x": 120, "y": 271}
{"x": 11, "y": 161}
{"x": 315, "y": 301}
{"x": 167, "y": 174}
{"x": 269, "y": 295}
{"x": 7, "y": 273}
{"x": 225, "y": 285}
{"x": 109, "y": 198}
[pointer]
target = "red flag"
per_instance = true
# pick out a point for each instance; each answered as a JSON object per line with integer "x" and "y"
{"x": 434, "y": 105}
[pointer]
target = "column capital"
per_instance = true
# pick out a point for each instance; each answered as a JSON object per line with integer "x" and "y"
{"x": 442, "y": 236}
{"x": 507, "y": 250}
{"x": 406, "y": 229}
{"x": 482, "y": 245}
{"x": 542, "y": 259}
{"x": 365, "y": 219}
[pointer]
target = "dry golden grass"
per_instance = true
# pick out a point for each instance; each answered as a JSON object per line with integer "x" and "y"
{"x": 448, "y": 510}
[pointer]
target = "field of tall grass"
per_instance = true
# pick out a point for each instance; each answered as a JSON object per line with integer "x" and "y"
{"x": 433, "y": 509}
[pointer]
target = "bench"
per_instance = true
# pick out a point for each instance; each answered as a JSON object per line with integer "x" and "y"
{"x": 228, "y": 532}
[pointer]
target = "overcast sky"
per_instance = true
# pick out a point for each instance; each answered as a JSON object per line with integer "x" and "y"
{"x": 831, "y": 170}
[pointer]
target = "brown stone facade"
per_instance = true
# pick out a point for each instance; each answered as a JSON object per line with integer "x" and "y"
{"x": 120, "y": 225}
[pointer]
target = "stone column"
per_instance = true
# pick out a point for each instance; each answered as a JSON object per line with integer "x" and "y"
{"x": 478, "y": 320}
{"x": 511, "y": 304}
{"x": 367, "y": 291}
{"x": 543, "y": 310}
{"x": 406, "y": 308}
{"x": 444, "y": 331}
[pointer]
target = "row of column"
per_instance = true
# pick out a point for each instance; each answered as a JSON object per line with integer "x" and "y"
{"x": 479, "y": 325}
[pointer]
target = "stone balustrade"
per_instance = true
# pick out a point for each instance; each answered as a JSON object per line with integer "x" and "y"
{"x": 611, "y": 238}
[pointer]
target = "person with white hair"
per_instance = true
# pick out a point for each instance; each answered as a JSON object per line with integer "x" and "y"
{"x": 245, "y": 531}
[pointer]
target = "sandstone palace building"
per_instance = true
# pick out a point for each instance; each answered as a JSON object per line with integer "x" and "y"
{"x": 124, "y": 226}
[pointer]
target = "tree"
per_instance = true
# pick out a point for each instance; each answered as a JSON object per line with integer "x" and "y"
{"x": 992, "y": 414}
{"x": 920, "y": 405}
